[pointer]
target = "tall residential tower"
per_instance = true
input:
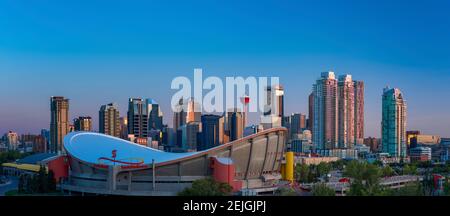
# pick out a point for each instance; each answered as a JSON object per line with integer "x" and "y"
{"x": 337, "y": 112}
{"x": 393, "y": 125}
{"x": 325, "y": 122}
{"x": 109, "y": 120}
{"x": 137, "y": 118}
{"x": 59, "y": 122}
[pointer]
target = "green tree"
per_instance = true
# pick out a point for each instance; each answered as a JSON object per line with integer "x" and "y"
{"x": 353, "y": 169}
{"x": 302, "y": 173}
{"x": 446, "y": 188}
{"x": 322, "y": 189}
{"x": 378, "y": 163}
{"x": 339, "y": 164}
{"x": 365, "y": 179}
{"x": 285, "y": 191}
{"x": 11, "y": 156}
{"x": 323, "y": 169}
{"x": 387, "y": 171}
{"x": 409, "y": 169}
{"x": 207, "y": 187}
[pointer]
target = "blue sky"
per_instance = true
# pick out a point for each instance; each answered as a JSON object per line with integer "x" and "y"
{"x": 96, "y": 52}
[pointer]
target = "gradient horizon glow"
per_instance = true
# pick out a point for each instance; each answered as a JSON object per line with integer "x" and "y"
{"x": 97, "y": 52}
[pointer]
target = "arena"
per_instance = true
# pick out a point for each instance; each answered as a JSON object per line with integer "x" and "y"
{"x": 101, "y": 164}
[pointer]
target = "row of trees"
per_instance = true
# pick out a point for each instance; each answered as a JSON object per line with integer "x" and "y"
{"x": 207, "y": 187}
{"x": 11, "y": 156}
{"x": 366, "y": 178}
{"x": 365, "y": 181}
{"x": 311, "y": 173}
{"x": 42, "y": 182}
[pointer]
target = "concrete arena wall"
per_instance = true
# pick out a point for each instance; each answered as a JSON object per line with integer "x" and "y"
{"x": 253, "y": 157}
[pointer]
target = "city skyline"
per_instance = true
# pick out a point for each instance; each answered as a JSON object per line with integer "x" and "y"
{"x": 44, "y": 52}
{"x": 168, "y": 115}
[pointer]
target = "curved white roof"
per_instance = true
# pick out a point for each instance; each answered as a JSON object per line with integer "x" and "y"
{"x": 89, "y": 147}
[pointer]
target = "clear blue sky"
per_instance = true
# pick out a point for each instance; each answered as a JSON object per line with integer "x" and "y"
{"x": 95, "y": 52}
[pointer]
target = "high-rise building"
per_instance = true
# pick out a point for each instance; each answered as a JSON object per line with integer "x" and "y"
{"x": 373, "y": 143}
{"x": 325, "y": 119}
{"x": 123, "y": 127}
{"x": 155, "y": 121}
{"x": 273, "y": 115}
{"x": 109, "y": 120}
{"x": 168, "y": 138}
{"x": 234, "y": 125}
{"x": 346, "y": 112}
{"x": 179, "y": 115}
{"x": 296, "y": 123}
{"x": 211, "y": 132}
{"x": 39, "y": 144}
{"x": 46, "y": 135}
{"x": 309, "y": 124}
{"x": 393, "y": 125}
{"x": 193, "y": 112}
{"x": 190, "y": 136}
{"x": 137, "y": 118}
{"x": 337, "y": 111}
{"x": 359, "y": 110}
{"x": 83, "y": 123}
{"x": 59, "y": 122}
{"x": 155, "y": 115}
{"x": 12, "y": 140}
{"x": 411, "y": 139}
{"x": 420, "y": 154}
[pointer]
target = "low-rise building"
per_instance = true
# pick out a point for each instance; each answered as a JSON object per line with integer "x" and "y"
{"x": 420, "y": 154}
{"x": 340, "y": 153}
{"x": 315, "y": 160}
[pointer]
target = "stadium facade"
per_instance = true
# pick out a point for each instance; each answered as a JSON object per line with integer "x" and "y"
{"x": 102, "y": 164}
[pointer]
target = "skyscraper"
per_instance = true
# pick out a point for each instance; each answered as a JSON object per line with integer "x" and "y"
{"x": 179, "y": 115}
{"x": 83, "y": 123}
{"x": 325, "y": 120}
{"x": 137, "y": 118}
{"x": 155, "y": 116}
{"x": 46, "y": 134}
{"x": 210, "y": 132}
{"x": 193, "y": 112}
{"x": 411, "y": 139}
{"x": 337, "y": 111}
{"x": 359, "y": 111}
{"x": 273, "y": 115}
{"x": 190, "y": 134}
{"x": 393, "y": 125}
{"x": 123, "y": 127}
{"x": 346, "y": 112}
{"x": 234, "y": 125}
{"x": 309, "y": 124}
{"x": 296, "y": 123}
{"x": 109, "y": 120}
{"x": 59, "y": 122}
{"x": 12, "y": 140}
